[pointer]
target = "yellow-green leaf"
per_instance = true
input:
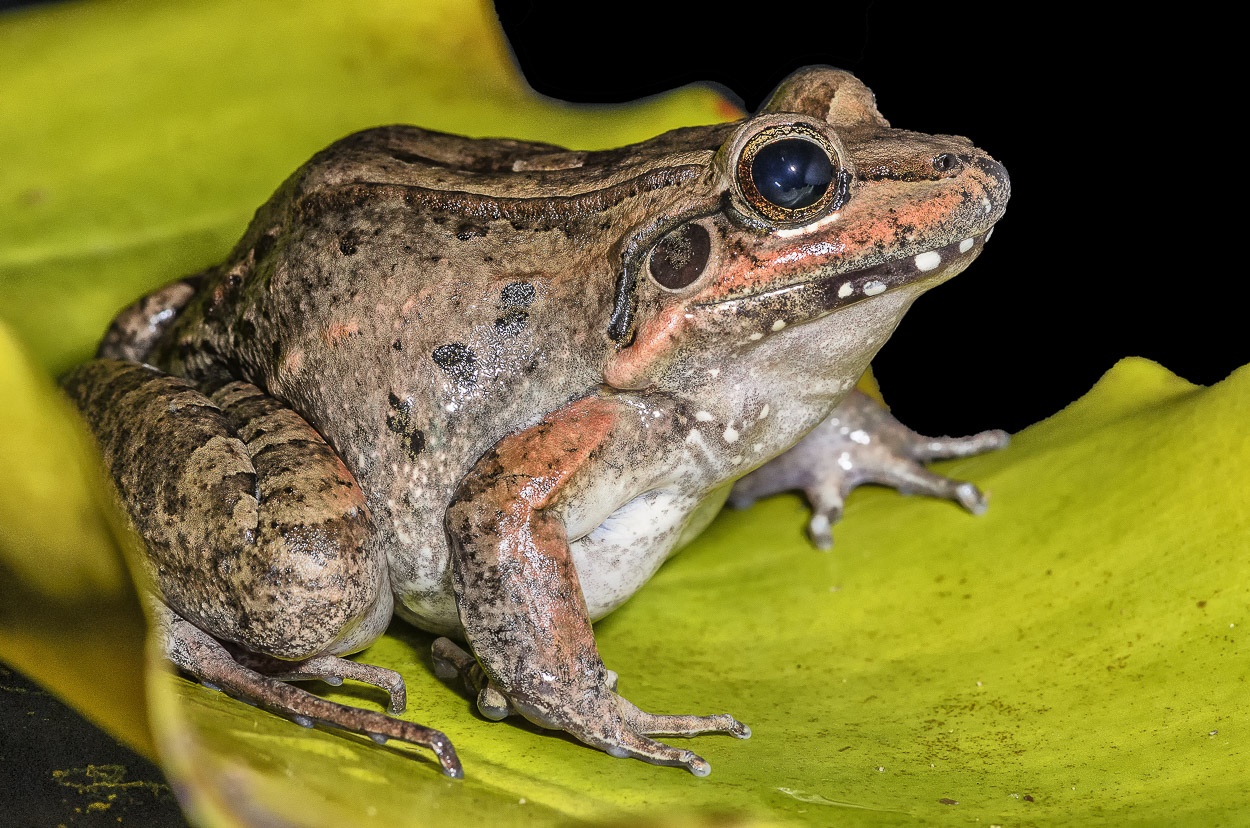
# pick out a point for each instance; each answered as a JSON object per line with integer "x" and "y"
{"x": 68, "y": 612}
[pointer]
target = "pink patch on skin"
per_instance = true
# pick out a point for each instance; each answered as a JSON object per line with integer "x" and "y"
{"x": 338, "y": 331}
{"x": 876, "y": 216}
{"x": 293, "y": 361}
{"x": 628, "y": 369}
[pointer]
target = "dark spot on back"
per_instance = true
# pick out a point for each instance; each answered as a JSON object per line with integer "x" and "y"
{"x": 511, "y": 323}
{"x": 263, "y": 245}
{"x": 397, "y": 421}
{"x": 347, "y": 245}
{"x": 458, "y": 361}
{"x": 469, "y": 230}
{"x": 397, "y": 345}
{"x": 398, "y": 404}
{"x": 401, "y": 421}
{"x": 517, "y": 295}
{"x": 415, "y": 444}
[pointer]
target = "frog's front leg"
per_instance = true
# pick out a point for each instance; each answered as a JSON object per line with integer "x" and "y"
{"x": 520, "y": 599}
{"x": 862, "y": 443}
{"x": 257, "y": 539}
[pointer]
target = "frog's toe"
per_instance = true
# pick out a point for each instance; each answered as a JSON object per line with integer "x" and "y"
{"x": 331, "y": 670}
{"x": 451, "y": 660}
{"x": 628, "y": 745}
{"x": 827, "y": 497}
{"x": 493, "y": 704}
{"x": 334, "y": 669}
{"x": 911, "y": 478}
{"x": 927, "y": 449}
{"x": 971, "y": 498}
{"x": 652, "y": 724}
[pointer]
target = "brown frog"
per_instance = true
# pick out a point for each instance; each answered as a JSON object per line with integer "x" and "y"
{"x": 490, "y": 385}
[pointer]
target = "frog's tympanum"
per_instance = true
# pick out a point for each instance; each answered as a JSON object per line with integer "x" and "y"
{"x": 490, "y": 385}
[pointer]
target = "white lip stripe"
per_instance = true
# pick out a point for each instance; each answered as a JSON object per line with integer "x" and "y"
{"x": 965, "y": 245}
{"x": 928, "y": 261}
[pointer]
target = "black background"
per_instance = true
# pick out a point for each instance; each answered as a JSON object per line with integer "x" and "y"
{"x": 1111, "y": 123}
{"x": 1123, "y": 236}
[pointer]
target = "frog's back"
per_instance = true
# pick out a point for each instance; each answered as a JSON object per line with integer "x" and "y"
{"x": 415, "y": 296}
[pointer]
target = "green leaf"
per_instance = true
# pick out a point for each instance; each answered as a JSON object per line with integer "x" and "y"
{"x": 1072, "y": 657}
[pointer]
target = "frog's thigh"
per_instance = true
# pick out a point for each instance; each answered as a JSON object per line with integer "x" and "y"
{"x": 255, "y": 530}
{"x": 860, "y": 442}
{"x": 520, "y": 600}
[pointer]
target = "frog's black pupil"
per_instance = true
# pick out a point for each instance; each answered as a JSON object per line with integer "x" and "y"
{"x": 792, "y": 173}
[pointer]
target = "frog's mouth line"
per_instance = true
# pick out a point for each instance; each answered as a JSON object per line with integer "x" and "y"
{"x": 804, "y": 301}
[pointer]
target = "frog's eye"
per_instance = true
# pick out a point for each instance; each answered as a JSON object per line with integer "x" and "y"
{"x": 790, "y": 174}
{"x": 680, "y": 258}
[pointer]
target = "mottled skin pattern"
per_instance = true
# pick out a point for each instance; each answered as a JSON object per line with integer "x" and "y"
{"x": 450, "y": 377}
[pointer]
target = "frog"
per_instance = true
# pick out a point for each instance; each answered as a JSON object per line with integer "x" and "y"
{"x": 490, "y": 385}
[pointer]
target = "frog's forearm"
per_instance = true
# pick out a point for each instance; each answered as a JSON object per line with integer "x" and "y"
{"x": 511, "y": 566}
{"x": 520, "y": 599}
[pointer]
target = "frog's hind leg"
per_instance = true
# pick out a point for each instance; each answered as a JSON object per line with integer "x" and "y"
{"x": 257, "y": 537}
{"x": 196, "y": 652}
{"x": 862, "y": 443}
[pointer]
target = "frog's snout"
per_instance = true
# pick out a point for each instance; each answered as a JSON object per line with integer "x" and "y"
{"x": 998, "y": 182}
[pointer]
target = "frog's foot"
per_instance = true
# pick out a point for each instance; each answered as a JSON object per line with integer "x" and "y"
{"x": 330, "y": 669}
{"x": 521, "y": 602}
{"x": 616, "y": 726}
{"x": 861, "y": 443}
{"x": 198, "y": 653}
{"x": 603, "y": 720}
{"x": 451, "y": 661}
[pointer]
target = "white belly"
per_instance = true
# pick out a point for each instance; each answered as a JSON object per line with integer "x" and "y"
{"x": 624, "y": 551}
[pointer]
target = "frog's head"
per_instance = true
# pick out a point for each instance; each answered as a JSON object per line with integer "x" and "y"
{"x": 815, "y": 223}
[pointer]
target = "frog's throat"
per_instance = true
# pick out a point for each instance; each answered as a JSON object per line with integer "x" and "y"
{"x": 814, "y": 298}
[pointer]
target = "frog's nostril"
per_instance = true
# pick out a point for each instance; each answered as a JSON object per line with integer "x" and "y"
{"x": 946, "y": 162}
